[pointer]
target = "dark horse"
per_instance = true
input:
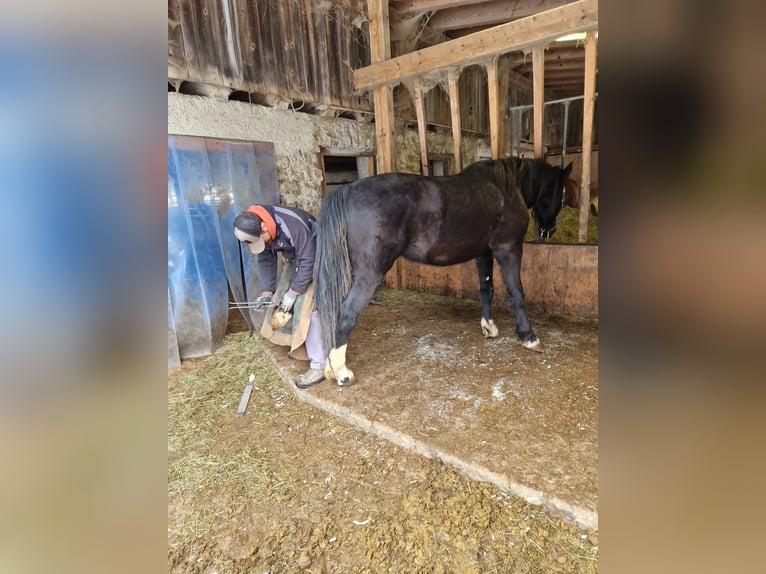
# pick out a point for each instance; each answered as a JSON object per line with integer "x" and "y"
{"x": 481, "y": 213}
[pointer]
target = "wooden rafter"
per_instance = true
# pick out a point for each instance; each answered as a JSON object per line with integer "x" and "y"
{"x": 489, "y": 13}
{"x": 552, "y": 55}
{"x": 415, "y": 6}
{"x": 540, "y": 28}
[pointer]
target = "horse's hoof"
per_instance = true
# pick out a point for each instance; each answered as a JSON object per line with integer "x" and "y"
{"x": 279, "y": 319}
{"x": 488, "y": 328}
{"x": 532, "y": 345}
{"x": 346, "y": 381}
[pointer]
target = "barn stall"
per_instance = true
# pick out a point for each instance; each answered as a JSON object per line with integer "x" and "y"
{"x": 278, "y": 102}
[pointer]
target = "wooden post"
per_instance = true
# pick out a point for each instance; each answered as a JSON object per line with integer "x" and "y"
{"x": 589, "y": 99}
{"x": 494, "y": 108}
{"x": 504, "y": 79}
{"x": 380, "y": 50}
{"x": 538, "y": 79}
{"x": 420, "y": 112}
{"x": 454, "y": 105}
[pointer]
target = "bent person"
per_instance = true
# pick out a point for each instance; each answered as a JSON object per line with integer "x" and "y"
{"x": 291, "y": 319}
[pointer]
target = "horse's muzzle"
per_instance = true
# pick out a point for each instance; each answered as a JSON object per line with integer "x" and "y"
{"x": 547, "y": 233}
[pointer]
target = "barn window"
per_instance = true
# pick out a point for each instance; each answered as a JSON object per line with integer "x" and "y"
{"x": 342, "y": 169}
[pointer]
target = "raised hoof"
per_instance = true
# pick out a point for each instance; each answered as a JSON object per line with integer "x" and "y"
{"x": 279, "y": 319}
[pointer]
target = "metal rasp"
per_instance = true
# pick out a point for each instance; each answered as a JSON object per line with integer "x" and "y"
{"x": 245, "y": 396}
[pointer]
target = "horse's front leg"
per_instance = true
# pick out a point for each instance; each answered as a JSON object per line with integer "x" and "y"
{"x": 358, "y": 298}
{"x": 510, "y": 266}
{"x": 336, "y": 369}
{"x": 484, "y": 265}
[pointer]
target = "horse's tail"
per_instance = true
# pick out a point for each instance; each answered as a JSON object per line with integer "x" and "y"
{"x": 332, "y": 266}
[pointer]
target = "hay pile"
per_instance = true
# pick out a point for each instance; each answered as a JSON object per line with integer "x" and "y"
{"x": 568, "y": 227}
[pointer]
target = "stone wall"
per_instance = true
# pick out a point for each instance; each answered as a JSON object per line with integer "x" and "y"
{"x": 299, "y": 138}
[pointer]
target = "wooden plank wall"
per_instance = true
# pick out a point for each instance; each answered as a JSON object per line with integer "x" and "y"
{"x": 560, "y": 279}
{"x": 300, "y": 50}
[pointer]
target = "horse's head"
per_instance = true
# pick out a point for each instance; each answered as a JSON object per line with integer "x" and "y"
{"x": 551, "y": 181}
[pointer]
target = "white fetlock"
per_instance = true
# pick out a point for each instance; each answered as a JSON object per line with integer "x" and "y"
{"x": 336, "y": 361}
{"x": 488, "y": 328}
{"x": 329, "y": 374}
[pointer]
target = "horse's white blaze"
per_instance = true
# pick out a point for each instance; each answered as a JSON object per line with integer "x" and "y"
{"x": 488, "y": 328}
{"x": 335, "y": 368}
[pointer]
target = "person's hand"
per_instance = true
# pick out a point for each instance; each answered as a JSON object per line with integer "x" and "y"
{"x": 263, "y": 302}
{"x": 288, "y": 300}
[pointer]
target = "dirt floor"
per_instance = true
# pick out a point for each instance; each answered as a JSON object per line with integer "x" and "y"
{"x": 350, "y": 487}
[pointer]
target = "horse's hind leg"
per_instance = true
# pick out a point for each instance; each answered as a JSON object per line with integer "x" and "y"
{"x": 484, "y": 265}
{"x": 362, "y": 292}
{"x": 510, "y": 266}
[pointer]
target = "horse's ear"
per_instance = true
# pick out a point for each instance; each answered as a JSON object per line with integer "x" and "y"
{"x": 568, "y": 169}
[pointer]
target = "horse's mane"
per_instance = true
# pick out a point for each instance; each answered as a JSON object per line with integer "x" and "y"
{"x": 512, "y": 173}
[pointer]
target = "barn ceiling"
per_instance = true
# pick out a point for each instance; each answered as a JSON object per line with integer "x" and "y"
{"x": 417, "y": 24}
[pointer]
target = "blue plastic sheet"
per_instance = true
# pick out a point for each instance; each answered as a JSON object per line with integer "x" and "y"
{"x": 209, "y": 183}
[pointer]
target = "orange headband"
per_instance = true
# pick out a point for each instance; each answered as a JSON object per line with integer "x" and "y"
{"x": 264, "y": 216}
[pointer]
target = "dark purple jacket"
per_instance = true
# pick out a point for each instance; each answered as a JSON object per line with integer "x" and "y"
{"x": 296, "y": 240}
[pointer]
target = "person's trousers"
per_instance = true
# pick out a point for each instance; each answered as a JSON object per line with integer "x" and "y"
{"x": 314, "y": 347}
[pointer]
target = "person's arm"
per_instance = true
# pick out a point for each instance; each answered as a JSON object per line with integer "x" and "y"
{"x": 267, "y": 271}
{"x": 304, "y": 243}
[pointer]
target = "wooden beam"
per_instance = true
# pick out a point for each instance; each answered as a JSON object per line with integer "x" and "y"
{"x": 380, "y": 50}
{"x": 554, "y": 68}
{"x": 454, "y": 103}
{"x": 493, "y": 85}
{"x": 525, "y": 84}
{"x": 589, "y": 101}
{"x": 552, "y": 54}
{"x": 553, "y": 75}
{"x": 554, "y": 65}
{"x": 420, "y": 112}
{"x": 581, "y": 15}
{"x": 538, "y": 79}
{"x": 415, "y": 6}
{"x": 383, "y": 99}
{"x": 504, "y": 79}
{"x": 489, "y": 13}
